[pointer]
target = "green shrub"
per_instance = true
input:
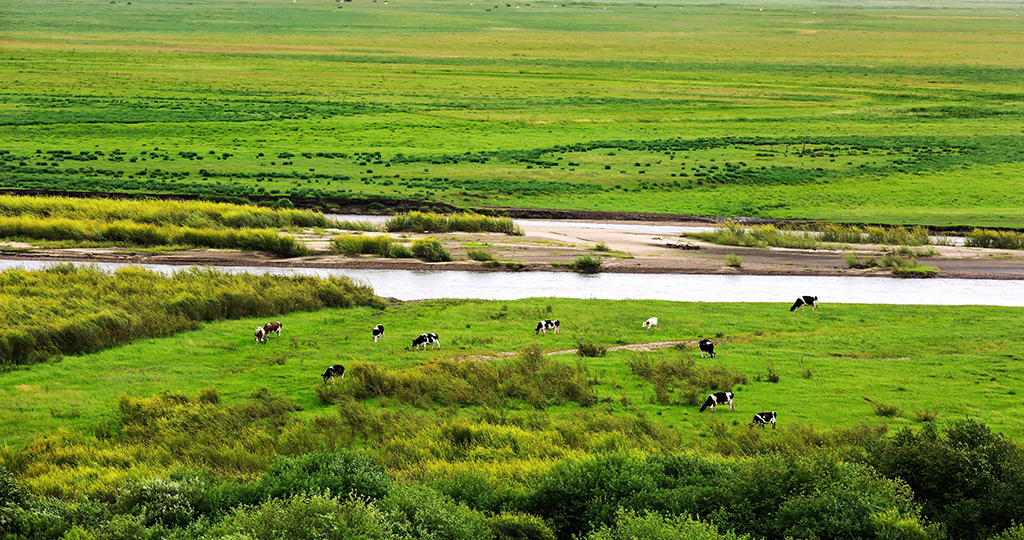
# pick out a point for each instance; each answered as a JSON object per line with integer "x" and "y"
{"x": 420, "y": 222}
{"x": 357, "y": 244}
{"x": 430, "y": 250}
{"x": 629, "y": 525}
{"x": 320, "y": 516}
{"x": 519, "y": 526}
{"x": 480, "y": 255}
{"x": 734, "y": 261}
{"x": 588, "y": 349}
{"x": 588, "y": 264}
{"x": 421, "y": 512}
{"x": 168, "y": 503}
{"x": 342, "y": 473}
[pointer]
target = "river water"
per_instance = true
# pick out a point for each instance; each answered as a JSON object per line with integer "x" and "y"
{"x": 424, "y": 284}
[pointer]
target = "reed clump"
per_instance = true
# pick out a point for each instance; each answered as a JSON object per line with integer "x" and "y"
{"x": 427, "y": 222}
{"x": 352, "y": 245}
{"x": 731, "y": 233}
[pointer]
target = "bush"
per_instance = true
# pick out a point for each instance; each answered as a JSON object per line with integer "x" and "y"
{"x": 734, "y": 261}
{"x": 588, "y": 349}
{"x": 519, "y": 526}
{"x": 421, "y": 512}
{"x": 430, "y": 250}
{"x": 588, "y": 264}
{"x": 342, "y": 473}
{"x": 307, "y": 516}
{"x": 629, "y": 525}
{"x": 480, "y": 255}
{"x": 352, "y": 245}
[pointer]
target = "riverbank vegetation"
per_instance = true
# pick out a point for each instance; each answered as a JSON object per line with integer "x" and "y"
{"x": 498, "y": 434}
{"x": 69, "y": 309}
{"x": 69, "y": 222}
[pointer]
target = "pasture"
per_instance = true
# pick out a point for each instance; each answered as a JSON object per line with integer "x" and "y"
{"x": 944, "y": 362}
{"x": 869, "y": 113}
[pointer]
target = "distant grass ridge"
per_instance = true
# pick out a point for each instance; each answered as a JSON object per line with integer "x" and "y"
{"x": 68, "y": 309}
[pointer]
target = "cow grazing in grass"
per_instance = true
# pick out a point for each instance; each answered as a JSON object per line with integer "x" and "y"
{"x": 805, "y": 301}
{"x": 650, "y": 323}
{"x": 716, "y": 399}
{"x": 378, "y": 332}
{"x": 261, "y": 335}
{"x": 271, "y": 328}
{"x": 426, "y": 339}
{"x": 337, "y": 371}
{"x": 706, "y": 347}
{"x": 544, "y": 326}
{"x": 762, "y": 418}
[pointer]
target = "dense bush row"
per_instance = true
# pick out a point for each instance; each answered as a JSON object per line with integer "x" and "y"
{"x": 731, "y": 233}
{"x": 962, "y": 484}
{"x": 68, "y": 309}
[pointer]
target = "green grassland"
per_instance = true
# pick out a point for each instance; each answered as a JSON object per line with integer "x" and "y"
{"x": 871, "y": 112}
{"x": 917, "y": 358}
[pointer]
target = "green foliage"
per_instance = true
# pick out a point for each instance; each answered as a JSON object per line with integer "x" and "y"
{"x": 343, "y": 473}
{"x": 420, "y": 222}
{"x": 733, "y": 260}
{"x": 994, "y": 239}
{"x": 970, "y": 480}
{"x": 358, "y": 244}
{"x": 430, "y": 250}
{"x": 81, "y": 309}
{"x": 587, "y": 349}
{"x": 680, "y": 381}
{"x": 315, "y": 516}
{"x": 588, "y": 264}
{"x": 652, "y": 526}
{"x": 420, "y": 512}
{"x": 519, "y": 526}
{"x": 480, "y": 255}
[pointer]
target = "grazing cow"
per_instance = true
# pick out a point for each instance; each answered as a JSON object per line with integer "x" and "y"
{"x": 272, "y": 327}
{"x": 261, "y": 335}
{"x": 336, "y": 371}
{"x": 650, "y": 323}
{"x": 762, "y": 418}
{"x": 378, "y": 332}
{"x": 804, "y": 301}
{"x": 706, "y": 346}
{"x": 544, "y": 326}
{"x": 716, "y": 399}
{"x": 426, "y": 339}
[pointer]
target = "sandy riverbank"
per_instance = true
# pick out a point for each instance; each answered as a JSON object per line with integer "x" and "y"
{"x": 551, "y": 246}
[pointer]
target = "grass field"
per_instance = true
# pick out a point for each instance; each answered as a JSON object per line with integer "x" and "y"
{"x": 919, "y": 359}
{"x": 847, "y": 112}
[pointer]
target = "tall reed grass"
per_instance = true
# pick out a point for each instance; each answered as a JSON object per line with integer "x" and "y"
{"x": 359, "y": 244}
{"x": 195, "y": 214}
{"x": 68, "y": 309}
{"x": 130, "y": 233}
{"x": 734, "y": 234}
{"x": 423, "y": 222}
{"x": 994, "y": 239}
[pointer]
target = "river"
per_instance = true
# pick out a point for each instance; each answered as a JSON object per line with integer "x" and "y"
{"x": 425, "y": 284}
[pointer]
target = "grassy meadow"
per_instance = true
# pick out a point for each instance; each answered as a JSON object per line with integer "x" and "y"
{"x": 868, "y": 112}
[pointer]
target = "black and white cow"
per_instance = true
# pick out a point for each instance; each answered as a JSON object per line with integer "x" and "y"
{"x": 544, "y": 326}
{"x": 762, "y": 418}
{"x": 272, "y": 327}
{"x": 706, "y": 346}
{"x": 426, "y": 339}
{"x": 650, "y": 323}
{"x": 337, "y": 371}
{"x": 716, "y": 399}
{"x": 805, "y": 301}
{"x": 261, "y": 335}
{"x": 378, "y": 332}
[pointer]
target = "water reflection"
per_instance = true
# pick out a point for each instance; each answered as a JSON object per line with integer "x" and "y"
{"x": 419, "y": 285}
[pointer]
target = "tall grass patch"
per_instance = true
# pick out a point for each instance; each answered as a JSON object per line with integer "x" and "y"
{"x": 81, "y": 309}
{"x": 423, "y": 222}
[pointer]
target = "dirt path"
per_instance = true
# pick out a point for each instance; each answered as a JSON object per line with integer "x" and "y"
{"x": 643, "y": 347}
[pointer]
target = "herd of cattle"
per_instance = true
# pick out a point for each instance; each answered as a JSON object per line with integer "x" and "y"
{"x": 706, "y": 346}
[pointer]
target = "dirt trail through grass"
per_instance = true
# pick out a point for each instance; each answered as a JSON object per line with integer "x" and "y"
{"x": 650, "y": 346}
